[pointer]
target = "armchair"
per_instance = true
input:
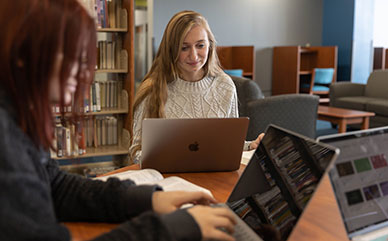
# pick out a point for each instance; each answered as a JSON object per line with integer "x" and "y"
{"x": 372, "y": 96}
{"x": 296, "y": 112}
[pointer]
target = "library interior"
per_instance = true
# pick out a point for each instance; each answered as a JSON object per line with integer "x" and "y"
{"x": 311, "y": 75}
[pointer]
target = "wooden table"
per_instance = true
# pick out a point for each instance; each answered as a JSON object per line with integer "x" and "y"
{"x": 342, "y": 117}
{"x": 321, "y": 220}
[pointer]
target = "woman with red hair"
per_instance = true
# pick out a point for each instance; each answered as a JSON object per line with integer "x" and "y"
{"x": 47, "y": 55}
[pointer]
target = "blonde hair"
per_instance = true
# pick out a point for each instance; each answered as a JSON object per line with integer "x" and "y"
{"x": 164, "y": 69}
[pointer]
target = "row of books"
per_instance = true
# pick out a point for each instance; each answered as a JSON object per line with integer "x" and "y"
{"x": 67, "y": 141}
{"x": 295, "y": 170}
{"x": 107, "y": 13}
{"x": 101, "y": 131}
{"x": 92, "y": 131}
{"x": 109, "y": 53}
{"x": 103, "y": 95}
{"x": 274, "y": 206}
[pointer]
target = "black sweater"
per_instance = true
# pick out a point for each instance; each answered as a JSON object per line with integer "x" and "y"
{"x": 35, "y": 196}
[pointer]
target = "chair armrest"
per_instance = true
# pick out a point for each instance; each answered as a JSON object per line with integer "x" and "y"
{"x": 296, "y": 112}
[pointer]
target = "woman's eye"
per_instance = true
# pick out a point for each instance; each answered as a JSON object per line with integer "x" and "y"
{"x": 184, "y": 48}
{"x": 200, "y": 46}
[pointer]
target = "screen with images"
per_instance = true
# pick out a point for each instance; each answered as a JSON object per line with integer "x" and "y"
{"x": 293, "y": 167}
{"x": 360, "y": 177}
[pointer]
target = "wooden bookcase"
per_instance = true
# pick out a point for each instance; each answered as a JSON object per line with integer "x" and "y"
{"x": 123, "y": 71}
{"x": 294, "y": 64}
{"x": 238, "y": 57}
{"x": 380, "y": 61}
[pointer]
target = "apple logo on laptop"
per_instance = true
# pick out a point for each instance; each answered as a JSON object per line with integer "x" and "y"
{"x": 194, "y": 146}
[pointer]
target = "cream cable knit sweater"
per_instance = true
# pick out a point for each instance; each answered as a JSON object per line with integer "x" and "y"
{"x": 209, "y": 97}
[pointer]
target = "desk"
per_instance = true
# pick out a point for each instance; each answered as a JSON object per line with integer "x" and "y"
{"x": 342, "y": 117}
{"x": 321, "y": 220}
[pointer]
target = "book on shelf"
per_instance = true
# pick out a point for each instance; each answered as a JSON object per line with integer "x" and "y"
{"x": 98, "y": 96}
{"x": 108, "y": 53}
{"x": 93, "y": 131}
{"x": 94, "y": 98}
{"x": 102, "y": 95}
{"x": 152, "y": 176}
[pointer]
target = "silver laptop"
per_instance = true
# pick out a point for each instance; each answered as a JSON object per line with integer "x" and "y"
{"x": 193, "y": 145}
{"x": 279, "y": 180}
{"x": 360, "y": 182}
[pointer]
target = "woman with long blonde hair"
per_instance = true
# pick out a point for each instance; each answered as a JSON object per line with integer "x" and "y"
{"x": 185, "y": 80}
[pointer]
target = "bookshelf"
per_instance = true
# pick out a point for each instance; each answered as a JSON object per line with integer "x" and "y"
{"x": 106, "y": 121}
{"x": 238, "y": 57}
{"x": 293, "y": 65}
{"x": 380, "y": 60}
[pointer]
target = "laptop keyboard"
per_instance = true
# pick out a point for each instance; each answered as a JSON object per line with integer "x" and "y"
{"x": 242, "y": 232}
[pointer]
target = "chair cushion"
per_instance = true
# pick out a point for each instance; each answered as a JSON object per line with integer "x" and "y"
{"x": 320, "y": 88}
{"x": 315, "y": 87}
{"x": 380, "y": 107}
{"x": 353, "y": 102}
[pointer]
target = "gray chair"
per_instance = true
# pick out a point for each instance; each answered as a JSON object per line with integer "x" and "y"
{"x": 371, "y": 97}
{"x": 247, "y": 90}
{"x": 296, "y": 112}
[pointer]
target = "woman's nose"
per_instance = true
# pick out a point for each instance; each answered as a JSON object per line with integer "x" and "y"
{"x": 193, "y": 53}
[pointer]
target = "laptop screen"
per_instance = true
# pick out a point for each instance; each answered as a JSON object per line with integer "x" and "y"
{"x": 360, "y": 178}
{"x": 279, "y": 180}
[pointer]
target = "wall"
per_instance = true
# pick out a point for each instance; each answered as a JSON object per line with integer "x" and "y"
{"x": 262, "y": 23}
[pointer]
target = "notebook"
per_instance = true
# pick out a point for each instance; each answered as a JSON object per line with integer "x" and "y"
{"x": 277, "y": 184}
{"x": 360, "y": 182}
{"x": 193, "y": 145}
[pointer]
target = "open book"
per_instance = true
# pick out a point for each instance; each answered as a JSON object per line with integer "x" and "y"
{"x": 152, "y": 176}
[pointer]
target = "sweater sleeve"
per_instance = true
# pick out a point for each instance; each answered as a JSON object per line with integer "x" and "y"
{"x": 79, "y": 199}
{"x": 178, "y": 225}
{"x": 118, "y": 201}
{"x": 232, "y": 99}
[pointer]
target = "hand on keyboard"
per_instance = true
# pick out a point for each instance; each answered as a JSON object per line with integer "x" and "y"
{"x": 212, "y": 219}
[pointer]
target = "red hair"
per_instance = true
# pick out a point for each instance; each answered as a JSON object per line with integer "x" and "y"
{"x": 36, "y": 32}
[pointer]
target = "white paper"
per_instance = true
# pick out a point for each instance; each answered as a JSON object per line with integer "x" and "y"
{"x": 145, "y": 176}
{"x": 246, "y": 156}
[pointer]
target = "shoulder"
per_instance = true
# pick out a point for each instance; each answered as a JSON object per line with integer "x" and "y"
{"x": 8, "y": 126}
{"x": 224, "y": 81}
{"x": 14, "y": 144}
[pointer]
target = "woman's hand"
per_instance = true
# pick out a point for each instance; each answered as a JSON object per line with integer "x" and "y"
{"x": 211, "y": 219}
{"x": 166, "y": 202}
{"x": 254, "y": 144}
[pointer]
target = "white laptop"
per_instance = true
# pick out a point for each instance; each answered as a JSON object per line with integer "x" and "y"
{"x": 193, "y": 145}
{"x": 360, "y": 182}
{"x": 277, "y": 184}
